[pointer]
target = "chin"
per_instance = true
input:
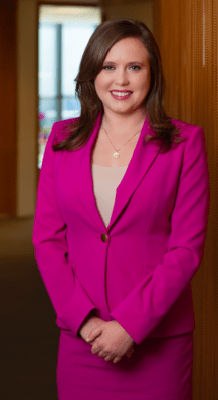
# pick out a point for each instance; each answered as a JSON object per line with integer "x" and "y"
{"x": 123, "y": 110}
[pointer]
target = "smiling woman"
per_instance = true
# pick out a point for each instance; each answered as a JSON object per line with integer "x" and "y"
{"x": 120, "y": 227}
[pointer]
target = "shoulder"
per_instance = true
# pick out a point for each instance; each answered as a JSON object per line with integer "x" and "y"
{"x": 61, "y": 129}
{"x": 186, "y": 129}
{"x": 192, "y": 136}
{"x": 193, "y": 145}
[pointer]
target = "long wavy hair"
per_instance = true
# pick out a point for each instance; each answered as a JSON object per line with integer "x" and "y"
{"x": 104, "y": 37}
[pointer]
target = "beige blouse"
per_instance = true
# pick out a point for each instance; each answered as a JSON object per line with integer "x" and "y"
{"x": 105, "y": 183}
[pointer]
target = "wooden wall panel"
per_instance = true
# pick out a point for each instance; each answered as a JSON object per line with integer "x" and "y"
{"x": 8, "y": 141}
{"x": 186, "y": 31}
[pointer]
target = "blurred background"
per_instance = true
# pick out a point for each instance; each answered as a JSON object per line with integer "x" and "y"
{"x": 41, "y": 43}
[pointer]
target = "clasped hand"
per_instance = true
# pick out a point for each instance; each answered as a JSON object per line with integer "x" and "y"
{"x": 108, "y": 339}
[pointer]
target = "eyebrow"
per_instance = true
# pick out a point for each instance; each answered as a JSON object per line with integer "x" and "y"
{"x": 130, "y": 63}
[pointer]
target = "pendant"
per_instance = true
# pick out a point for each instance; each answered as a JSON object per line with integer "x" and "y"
{"x": 116, "y": 154}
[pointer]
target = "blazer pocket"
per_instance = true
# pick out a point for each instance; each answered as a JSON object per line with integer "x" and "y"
{"x": 148, "y": 269}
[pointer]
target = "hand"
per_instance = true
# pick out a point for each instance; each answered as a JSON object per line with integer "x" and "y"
{"x": 111, "y": 341}
{"x": 88, "y": 325}
{"x": 130, "y": 352}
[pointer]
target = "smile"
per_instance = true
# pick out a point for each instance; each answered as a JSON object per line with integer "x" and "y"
{"x": 121, "y": 95}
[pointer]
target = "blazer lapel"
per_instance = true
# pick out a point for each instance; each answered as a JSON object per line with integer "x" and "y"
{"x": 84, "y": 184}
{"x": 143, "y": 157}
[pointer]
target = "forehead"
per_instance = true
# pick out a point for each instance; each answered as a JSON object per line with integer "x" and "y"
{"x": 130, "y": 48}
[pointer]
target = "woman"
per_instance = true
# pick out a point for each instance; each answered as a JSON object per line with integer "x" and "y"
{"x": 120, "y": 227}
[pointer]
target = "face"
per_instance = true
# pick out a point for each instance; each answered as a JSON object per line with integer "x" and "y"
{"x": 124, "y": 80}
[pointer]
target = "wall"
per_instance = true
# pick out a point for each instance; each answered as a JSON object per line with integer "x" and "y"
{"x": 187, "y": 35}
{"x": 27, "y": 103}
{"x": 141, "y": 10}
{"x": 8, "y": 108}
{"x": 26, "y": 106}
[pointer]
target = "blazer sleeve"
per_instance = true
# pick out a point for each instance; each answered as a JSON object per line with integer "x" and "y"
{"x": 145, "y": 307}
{"x": 69, "y": 299}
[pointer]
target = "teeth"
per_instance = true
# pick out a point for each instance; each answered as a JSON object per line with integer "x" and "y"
{"x": 121, "y": 94}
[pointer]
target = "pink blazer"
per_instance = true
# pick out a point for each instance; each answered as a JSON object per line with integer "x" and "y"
{"x": 138, "y": 269}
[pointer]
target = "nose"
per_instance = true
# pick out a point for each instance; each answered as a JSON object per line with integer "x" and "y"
{"x": 122, "y": 77}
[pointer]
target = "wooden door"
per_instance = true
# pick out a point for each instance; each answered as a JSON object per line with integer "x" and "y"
{"x": 186, "y": 31}
{"x": 8, "y": 141}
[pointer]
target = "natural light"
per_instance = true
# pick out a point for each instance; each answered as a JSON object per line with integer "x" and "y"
{"x": 63, "y": 34}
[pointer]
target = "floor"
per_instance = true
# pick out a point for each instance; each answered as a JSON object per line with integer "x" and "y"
{"x": 29, "y": 335}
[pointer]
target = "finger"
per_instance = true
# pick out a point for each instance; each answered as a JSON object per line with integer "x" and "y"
{"x": 129, "y": 353}
{"x": 91, "y": 343}
{"x": 107, "y": 358}
{"x": 97, "y": 347}
{"x": 102, "y": 354}
{"x": 116, "y": 359}
{"x": 94, "y": 334}
{"x": 95, "y": 350}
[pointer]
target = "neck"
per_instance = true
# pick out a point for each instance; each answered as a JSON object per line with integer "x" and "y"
{"x": 123, "y": 123}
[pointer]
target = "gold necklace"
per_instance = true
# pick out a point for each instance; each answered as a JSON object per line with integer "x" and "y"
{"x": 116, "y": 153}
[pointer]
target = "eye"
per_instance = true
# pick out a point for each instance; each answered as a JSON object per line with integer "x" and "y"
{"x": 108, "y": 67}
{"x": 135, "y": 67}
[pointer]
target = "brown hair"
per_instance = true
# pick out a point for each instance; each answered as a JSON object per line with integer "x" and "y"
{"x": 101, "y": 41}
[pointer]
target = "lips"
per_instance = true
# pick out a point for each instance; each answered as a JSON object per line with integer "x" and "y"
{"x": 121, "y": 94}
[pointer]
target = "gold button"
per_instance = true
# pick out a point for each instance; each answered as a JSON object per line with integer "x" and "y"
{"x": 104, "y": 237}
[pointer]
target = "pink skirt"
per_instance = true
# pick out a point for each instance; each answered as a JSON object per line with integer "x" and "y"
{"x": 159, "y": 369}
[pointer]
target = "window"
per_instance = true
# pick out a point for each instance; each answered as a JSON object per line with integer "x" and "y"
{"x": 63, "y": 34}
